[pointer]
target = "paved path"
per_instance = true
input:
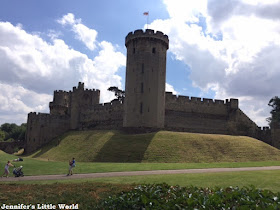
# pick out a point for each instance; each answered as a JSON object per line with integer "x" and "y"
{"x": 137, "y": 173}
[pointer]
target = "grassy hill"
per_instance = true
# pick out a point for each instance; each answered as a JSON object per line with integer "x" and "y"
{"x": 159, "y": 147}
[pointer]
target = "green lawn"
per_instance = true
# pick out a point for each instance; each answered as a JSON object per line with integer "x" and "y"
{"x": 260, "y": 179}
{"x": 33, "y": 166}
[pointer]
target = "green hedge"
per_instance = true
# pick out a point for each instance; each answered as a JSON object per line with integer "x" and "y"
{"x": 163, "y": 196}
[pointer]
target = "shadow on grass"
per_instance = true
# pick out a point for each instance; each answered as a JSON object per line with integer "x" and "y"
{"x": 50, "y": 145}
{"x": 125, "y": 148}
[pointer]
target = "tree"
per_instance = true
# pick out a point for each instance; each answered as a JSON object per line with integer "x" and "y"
{"x": 120, "y": 94}
{"x": 13, "y": 131}
{"x": 2, "y": 135}
{"x": 275, "y": 112}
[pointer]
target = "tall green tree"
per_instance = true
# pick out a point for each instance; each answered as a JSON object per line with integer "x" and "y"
{"x": 275, "y": 112}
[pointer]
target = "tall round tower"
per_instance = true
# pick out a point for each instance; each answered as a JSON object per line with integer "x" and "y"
{"x": 145, "y": 79}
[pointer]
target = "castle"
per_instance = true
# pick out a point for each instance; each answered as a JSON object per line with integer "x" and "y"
{"x": 146, "y": 104}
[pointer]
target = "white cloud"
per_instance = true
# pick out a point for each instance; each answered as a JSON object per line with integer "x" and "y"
{"x": 83, "y": 33}
{"x": 16, "y": 102}
{"x": 234, "y": 52}
{"x": 170, "y": 88}
{"x": 31, "y": 69}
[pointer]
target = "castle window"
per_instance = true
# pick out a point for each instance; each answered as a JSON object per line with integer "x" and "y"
{"x": 142, "y": 87}
{"x": 148, "y": 109}
{"x": 142, "y": 67}
{"x": 154, "y": 50}
{"x": 141, "y": 108}
{"x": 134, "y": 50}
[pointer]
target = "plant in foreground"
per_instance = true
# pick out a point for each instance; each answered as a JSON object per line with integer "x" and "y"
{"x": 163, "y": 196}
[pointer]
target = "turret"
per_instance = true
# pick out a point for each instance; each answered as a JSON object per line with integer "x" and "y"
{"x": 145, "y": 79}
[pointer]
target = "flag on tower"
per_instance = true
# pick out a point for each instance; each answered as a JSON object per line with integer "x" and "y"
{"x": 146, "y": 13}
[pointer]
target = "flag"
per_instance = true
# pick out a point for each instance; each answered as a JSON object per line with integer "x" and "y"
{"x": 146, "y": 13}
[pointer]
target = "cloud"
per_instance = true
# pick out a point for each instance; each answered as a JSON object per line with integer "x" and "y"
{"x": 16, "y": 102}
{"x": 83, "y": 33}
{"x": 231, "y": 48}
{"x": 170, "y": 88}
{"x": 31, "y": 69}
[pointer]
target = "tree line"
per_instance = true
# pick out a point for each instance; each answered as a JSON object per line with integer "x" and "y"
{"x": 12, "y": 132}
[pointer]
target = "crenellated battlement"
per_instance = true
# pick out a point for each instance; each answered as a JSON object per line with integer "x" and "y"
{"x": 170, "y": 98}
{"x": 108, "y": 106}
{"x": 265, "y": 128}
{"x": 148, "y": 34}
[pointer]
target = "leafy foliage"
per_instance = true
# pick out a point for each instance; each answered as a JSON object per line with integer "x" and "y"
{"x": 275, "y": 112}
{"x": 163, "y": 196}
{"x": 2, "y": 135}
{"x": 12, "y": 131}
{"x": 120, "y": 94}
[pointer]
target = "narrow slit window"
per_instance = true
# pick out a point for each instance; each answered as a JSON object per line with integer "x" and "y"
{"x": 142, "y": 67}
{"x": 134, "y": 50}
{"x": 154, "y": 50}
{"x": 141, "y": 108}
{"x": 142, "y": 87}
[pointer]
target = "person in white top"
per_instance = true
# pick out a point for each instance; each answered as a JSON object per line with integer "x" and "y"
{"x": 6, "y": 172}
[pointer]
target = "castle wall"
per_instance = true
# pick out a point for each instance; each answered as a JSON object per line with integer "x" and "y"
{"x": 103, "y": 116}
{"x": 41, "y": 128}
{"x": 275, "y": 133}
{"x": 194, "y": 114}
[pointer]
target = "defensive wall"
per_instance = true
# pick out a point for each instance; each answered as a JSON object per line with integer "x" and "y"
{"x": 103, "y": 116}
{"x": 182, "y": 113}
{"x": 42, "y": 128}
{"x": 203, "y": 115}
{"x": 11, "y": 147}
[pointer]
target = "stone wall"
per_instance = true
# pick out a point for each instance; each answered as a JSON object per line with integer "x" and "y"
{"x": 103, "y": 116}
{"x": 41, "y": 128}
{"x": 9, "y": 147}
{"x": 182, "y": 113}
{"x": 275, "y": 133}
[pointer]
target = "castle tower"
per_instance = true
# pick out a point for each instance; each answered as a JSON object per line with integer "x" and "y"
{"x": 145, "y": 79}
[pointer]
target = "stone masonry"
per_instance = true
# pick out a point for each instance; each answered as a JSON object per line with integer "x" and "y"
{"x": 146, "y": 104}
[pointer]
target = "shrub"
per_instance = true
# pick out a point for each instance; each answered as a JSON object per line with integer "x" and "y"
{"x": 163, "y": 196}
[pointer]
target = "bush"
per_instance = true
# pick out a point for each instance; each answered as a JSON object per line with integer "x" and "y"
{"x": 163, "y": 196}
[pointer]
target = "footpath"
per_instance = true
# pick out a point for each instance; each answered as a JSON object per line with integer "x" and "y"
{"x": 134, "y": 173}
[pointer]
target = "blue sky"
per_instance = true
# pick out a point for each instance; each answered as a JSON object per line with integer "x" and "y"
{"x": 227, "y": 49}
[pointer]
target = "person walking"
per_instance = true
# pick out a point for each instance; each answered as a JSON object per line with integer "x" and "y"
{"x": 72, "y": 164}
{"x": 8, "y": 164}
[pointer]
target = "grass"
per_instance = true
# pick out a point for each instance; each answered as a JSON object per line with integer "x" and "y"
{"x": 260, "y": 179}
{"x": 85, "y": 195}
{"x": 159, "y": 147}
{"x": 32, "y": 166}
{"x": 88, "y": 193}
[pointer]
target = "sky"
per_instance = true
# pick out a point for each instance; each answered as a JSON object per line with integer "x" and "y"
{"x": 218, "y": 49}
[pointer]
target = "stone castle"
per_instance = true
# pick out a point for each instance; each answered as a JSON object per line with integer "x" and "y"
{"x": 146, "y": 105}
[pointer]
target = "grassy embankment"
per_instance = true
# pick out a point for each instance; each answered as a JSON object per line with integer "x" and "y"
{"x": 106, "y": 151}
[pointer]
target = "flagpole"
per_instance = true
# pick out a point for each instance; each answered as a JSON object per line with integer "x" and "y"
{"x": 147, "y": 14}
{"x": 148, "y": 21}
